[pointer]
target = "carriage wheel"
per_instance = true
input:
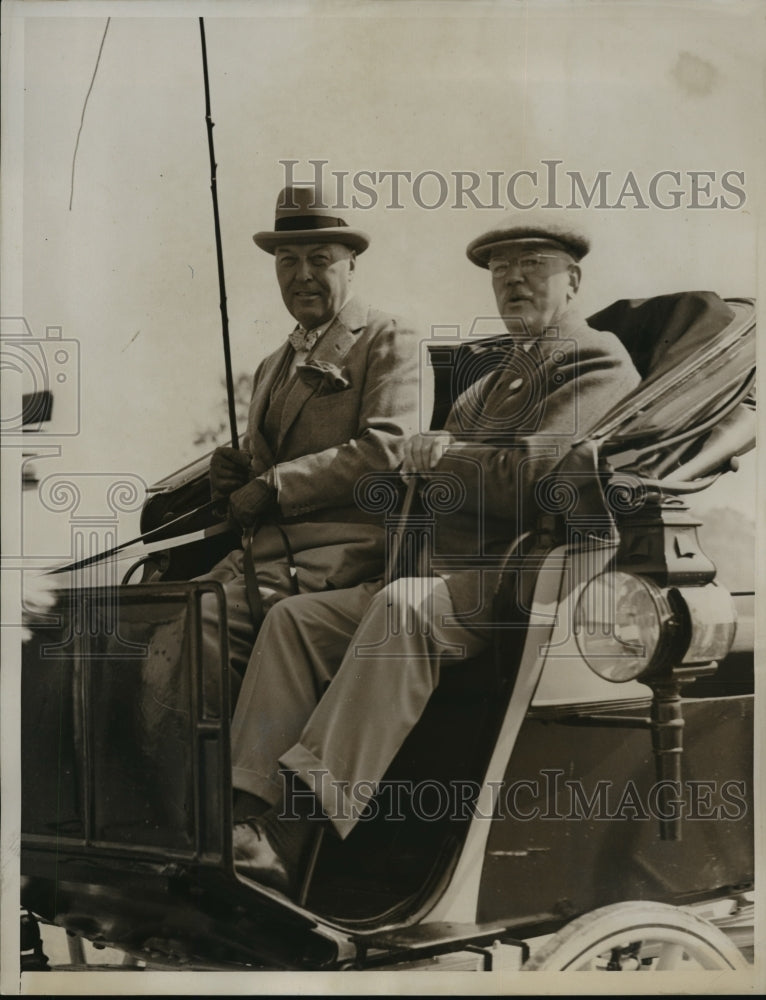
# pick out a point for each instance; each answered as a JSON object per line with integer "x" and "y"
{"x": 638, "y": 936}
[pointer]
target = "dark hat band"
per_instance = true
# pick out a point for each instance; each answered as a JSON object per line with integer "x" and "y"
{"x": 296, "y": 222}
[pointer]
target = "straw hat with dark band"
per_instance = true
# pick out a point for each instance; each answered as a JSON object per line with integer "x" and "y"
{"x": 302, "y": 217}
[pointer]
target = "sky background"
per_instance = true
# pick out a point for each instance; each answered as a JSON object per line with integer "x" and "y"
{"x": 130, "y": 271}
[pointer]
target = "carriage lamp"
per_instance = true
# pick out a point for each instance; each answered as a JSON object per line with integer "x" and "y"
{"x": 627, "y": 628}
{"x": 624, "y": 625}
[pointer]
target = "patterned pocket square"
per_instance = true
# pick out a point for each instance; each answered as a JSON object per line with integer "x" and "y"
{"x": 323, "y": 374}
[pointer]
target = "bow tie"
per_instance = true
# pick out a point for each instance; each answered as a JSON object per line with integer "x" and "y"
{"x": 303, "y": 340}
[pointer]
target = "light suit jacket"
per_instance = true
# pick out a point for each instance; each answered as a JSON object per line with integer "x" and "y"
{"x": 514, "y": 424}
{"x": 348, "y": 415}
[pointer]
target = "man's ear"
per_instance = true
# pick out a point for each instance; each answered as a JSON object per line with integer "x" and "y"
{"x": 351, "y": 262}
{"x": 574, "y": 280}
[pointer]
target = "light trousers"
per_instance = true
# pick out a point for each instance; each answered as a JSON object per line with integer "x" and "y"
{"x": 326, "y": 555}
{"x": 335, "y": 683}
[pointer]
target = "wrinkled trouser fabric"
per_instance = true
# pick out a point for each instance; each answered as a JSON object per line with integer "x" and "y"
{"x": 372, "y": 658}
{"x": 326, "y": 555}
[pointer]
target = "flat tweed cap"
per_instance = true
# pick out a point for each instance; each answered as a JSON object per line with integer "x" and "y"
{"x": 546, "y": 227}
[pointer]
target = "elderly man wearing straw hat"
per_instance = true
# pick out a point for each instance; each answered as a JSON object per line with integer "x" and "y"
{"x": 555, "y": 377}
{"x": 337, "y": 400}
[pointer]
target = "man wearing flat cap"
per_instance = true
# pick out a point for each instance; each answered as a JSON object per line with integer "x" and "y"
{"x": 337, "y": 400}
{"x": 547, "y": 380}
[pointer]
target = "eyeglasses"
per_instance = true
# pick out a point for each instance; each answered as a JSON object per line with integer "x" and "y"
{"x": 528, "y": 263}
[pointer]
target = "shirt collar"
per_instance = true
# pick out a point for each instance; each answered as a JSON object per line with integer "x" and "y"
{"x": 319, "y": 330}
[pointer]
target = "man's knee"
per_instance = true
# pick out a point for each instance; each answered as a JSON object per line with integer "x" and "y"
{"x": 287, "y": 614}
{"x": 410, "y": 597}
{"x": 401, "y": 608}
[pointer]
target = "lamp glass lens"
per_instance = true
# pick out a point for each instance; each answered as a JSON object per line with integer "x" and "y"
{"x": 617, "y": 625}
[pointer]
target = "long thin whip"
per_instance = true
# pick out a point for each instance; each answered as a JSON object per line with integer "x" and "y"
{"x": 218, "y": 247}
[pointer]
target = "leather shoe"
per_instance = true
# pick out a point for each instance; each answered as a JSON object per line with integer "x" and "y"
{"x": 256, "y": 858}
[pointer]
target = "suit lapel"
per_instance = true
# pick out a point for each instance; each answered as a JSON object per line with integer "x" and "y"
{"x": 494, "y": 403}
{"x": 259, "y": 403}
{"x": 332, "y": 346}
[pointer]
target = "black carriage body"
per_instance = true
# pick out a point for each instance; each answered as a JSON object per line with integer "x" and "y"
{"x": 578, "y": 824}
{"x": 127, "y": 808}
